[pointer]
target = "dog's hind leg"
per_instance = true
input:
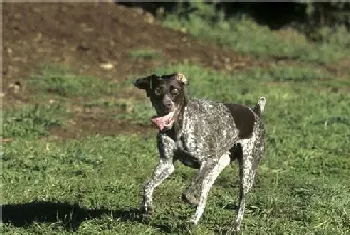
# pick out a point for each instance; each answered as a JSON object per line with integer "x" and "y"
{"x": 246, "y": 180}
{"x": 208, "y": 172}
{"x": 248, "y": 162}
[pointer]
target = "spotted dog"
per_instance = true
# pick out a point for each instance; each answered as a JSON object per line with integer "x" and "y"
{"x": 205, "y": 135}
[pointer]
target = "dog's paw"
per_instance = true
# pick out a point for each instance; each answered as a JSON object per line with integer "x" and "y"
{"x": 146, "y": 213}
{"x": 226, "y": 230}
{"x": 145, "y": 218}
{"x": 191, "y": 223}
{"x": 190, "y": 198}
{"x": 229, "y": 231}
{"x": 234, "y": 229}
{"x": 194, "y": 220}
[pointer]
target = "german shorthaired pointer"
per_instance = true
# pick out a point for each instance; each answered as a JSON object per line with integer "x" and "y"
{"x": 204, "y": 135}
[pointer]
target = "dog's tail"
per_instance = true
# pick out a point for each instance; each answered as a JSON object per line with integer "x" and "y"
{"x": 259, "y": 107}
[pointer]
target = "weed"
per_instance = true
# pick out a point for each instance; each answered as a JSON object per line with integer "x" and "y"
{"x": 93, "y": 185}
{"x": 32, "y": 120}
{"x": 63, "y": 82}
{"x": 145, "y": 54}
{"x": 244, "y": 35}
{"x": 301, "y": 186}
{"x": 137, "y": 113}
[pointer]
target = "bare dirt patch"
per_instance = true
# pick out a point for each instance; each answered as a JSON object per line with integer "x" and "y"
{"x": 89, "y": 36}
{"x": 86, "y": 35}
{"x": 85, "y": 126}
{"x": 87, "y": 121}
{"x": 96, "y": 39}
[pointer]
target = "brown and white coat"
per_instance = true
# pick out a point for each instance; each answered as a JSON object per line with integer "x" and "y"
{"x": 205, "y": 135}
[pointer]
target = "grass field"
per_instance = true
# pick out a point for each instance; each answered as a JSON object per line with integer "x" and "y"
{"x": 246, "y": 36}
{"x": 93, "y": 184}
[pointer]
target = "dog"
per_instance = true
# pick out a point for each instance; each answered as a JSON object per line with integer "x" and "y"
{"x": 204, "y": 135}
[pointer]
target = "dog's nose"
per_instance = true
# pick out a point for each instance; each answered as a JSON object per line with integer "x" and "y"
{"x": 167, "y": 102}
{"x": 167, "y": 105}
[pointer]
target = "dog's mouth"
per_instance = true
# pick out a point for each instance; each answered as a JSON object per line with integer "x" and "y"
{"x": 164, "y": 121}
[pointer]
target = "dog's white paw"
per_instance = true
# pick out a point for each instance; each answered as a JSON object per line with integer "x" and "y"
{"x": 193, "y": 221}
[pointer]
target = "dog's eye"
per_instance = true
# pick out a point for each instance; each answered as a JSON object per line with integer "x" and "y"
{"x": 175, "y": 91}
{"x": 158, "y": 91}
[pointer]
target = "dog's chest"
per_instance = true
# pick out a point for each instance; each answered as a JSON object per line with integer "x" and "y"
{"x": 207, "y": 130}
{"x": 187, "y": 157}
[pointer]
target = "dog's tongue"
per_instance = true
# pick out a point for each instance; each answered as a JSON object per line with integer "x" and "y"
{"x": 163, "y": 121}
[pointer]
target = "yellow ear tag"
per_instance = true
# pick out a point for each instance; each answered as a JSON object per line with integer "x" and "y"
{"x": 182, "y": 78}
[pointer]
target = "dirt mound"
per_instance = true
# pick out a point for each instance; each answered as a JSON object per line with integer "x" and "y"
{"x": 87, "y": 35}
{"x": 84, "y": 35}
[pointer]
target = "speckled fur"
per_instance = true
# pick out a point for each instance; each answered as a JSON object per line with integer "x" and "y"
{"x": 208, "y": 139}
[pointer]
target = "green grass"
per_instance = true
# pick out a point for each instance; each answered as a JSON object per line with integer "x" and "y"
{"x": 133, "y": 111}
{"x": 32, "y": 121}
{"x": 63, "y": 82}
{"x": 145, "y": 53}
{"x": 136, "y": 112}
{"x": 244, "y": 35}
{"x": 93, "y": 185}
{"x": 292, "y": 74}
{"x": 246, "y": 86}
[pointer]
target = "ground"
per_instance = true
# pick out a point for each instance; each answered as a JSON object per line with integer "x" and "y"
{"x": 36, "y": 34}
{"x": 79, "y": 144}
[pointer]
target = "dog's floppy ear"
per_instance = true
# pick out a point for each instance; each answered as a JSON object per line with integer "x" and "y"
{"x": 180, "y": 77}
{"x": 144, "y": 83}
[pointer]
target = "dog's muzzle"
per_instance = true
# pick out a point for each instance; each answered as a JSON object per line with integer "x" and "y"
{"x": 164, "y": 121}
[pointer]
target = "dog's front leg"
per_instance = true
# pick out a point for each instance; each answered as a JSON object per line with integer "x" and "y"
{"x": 208, "y": 173}
{"x": 163, "y": 170}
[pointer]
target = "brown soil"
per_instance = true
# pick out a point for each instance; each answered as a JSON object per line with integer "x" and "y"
{"x": 86, "y": 35}
{"x": 84, "y": 126}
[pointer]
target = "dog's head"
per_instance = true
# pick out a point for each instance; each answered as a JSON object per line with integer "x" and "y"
{"x": 168, "y": 97}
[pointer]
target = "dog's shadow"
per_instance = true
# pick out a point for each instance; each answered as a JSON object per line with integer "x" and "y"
{"x": 71, "y": 216}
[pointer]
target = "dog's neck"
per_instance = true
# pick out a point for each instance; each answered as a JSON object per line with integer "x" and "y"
{"x": 178, "y": 117}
